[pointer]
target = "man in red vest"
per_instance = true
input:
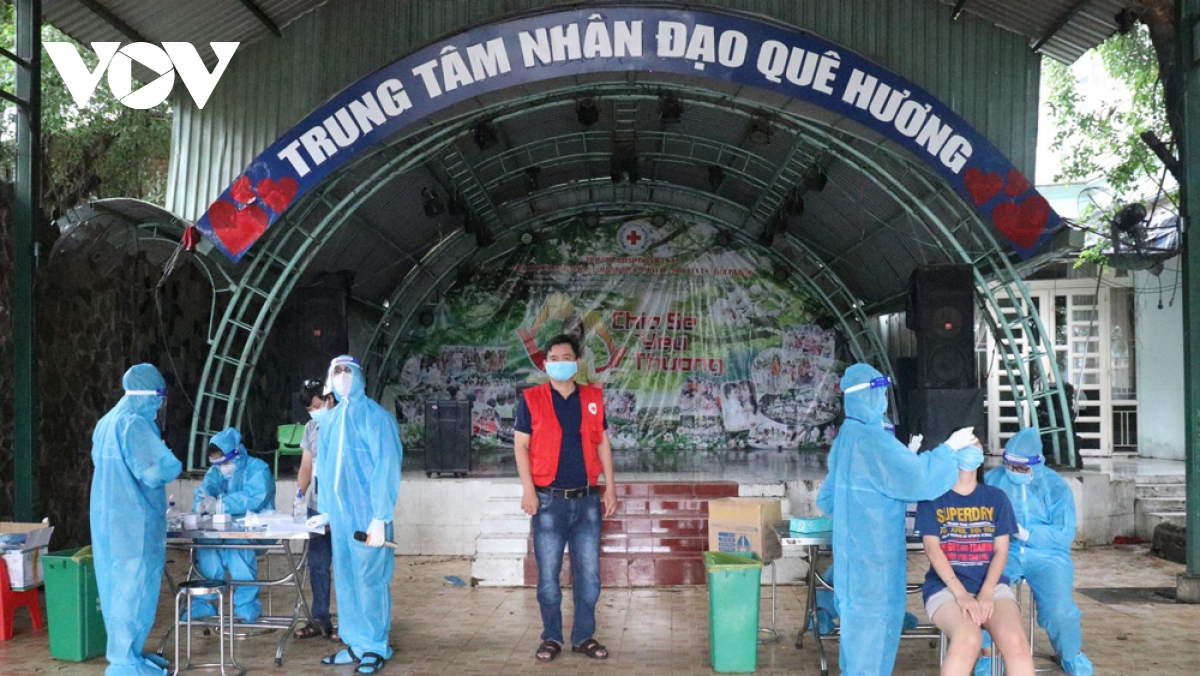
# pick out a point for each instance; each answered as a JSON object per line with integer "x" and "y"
{"x": 561, "y": 448}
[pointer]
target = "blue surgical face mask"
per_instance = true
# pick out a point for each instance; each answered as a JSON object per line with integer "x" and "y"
{"x": 969, "y": 458}
{"x": 317, "y": 414}
{"x": 1019, "y": 478}
{"x": 561, "y": 371}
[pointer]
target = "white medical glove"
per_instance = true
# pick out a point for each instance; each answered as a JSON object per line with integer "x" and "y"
{"x": 208, "y": 505}
{"x": 376, "y": 533}
{"x": 317, "y": 521}
{"x": 962, "y": 438}
{"x": 914, "y": 444}
{"x": 1022, "y": 534}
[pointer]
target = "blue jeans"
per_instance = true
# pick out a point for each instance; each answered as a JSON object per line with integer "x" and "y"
{"x": 559, "y": 522}
{"x": 319, "y": 562}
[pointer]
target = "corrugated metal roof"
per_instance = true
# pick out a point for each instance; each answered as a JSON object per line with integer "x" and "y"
{"x": 1089, "y": 22}
{"x": 198, "y": 22}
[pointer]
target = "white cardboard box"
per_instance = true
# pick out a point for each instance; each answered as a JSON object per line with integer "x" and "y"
{"x": 24, "y": 561}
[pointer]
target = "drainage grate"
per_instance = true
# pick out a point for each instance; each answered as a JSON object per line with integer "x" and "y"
{"x": 1121, "y": 595}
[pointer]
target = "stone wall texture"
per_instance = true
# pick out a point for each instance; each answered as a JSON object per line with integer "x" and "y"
{"x": 100, "y": 309}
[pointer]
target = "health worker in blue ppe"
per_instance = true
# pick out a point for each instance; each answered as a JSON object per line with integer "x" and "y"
{"x": 1041, "y": 550}
{"x": 129, "y": 519}
{"x": 873, "y": 478}
{"x": 826, "y": 608}
{"x": 359, "y": 475}
{"x": 242, "y": 484}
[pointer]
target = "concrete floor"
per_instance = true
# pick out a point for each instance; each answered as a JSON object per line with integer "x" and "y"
{"x": 442, "y": 629}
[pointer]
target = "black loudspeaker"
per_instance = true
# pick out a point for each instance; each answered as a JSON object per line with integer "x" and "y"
{"x": 313, "y": 329}
{"x": 447, "y": 437}
{"x": 905, "y": 370}
{"x": 938, "y": 413}
{"x": 941, "y": 311}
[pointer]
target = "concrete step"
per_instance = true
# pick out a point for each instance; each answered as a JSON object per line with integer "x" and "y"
{"x": 507, "y": 489}
{"x": 501, "y": 543}
{"x": 499, "y": 570}
{"x": 503, "y": 523}
{"x": 1162, "y": 504}
{"x": 506, "y": 506}
{"x": 1178, "y": 490}
{"x": 1142, "y": 479}
{"x": 1147, "y": 516}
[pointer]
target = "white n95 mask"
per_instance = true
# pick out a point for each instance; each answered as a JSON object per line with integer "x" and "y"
{"x": 342, "y": 383}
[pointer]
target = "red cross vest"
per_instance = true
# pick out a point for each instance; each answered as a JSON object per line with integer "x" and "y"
{"x": 545, "y": 444}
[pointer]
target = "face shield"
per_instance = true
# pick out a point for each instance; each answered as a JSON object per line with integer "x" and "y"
{"x": 160, "y": 414}
{"x": 881, "y": 381}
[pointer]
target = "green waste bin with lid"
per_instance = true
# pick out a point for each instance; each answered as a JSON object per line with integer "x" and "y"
{"x": 733, "y": 595}
{"x": 73, "y": 606}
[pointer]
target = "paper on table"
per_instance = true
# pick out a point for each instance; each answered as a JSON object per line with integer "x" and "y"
{"x": 286, "y": 527}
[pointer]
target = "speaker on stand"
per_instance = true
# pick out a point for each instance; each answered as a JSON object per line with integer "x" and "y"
{"x": 945, "y": 395}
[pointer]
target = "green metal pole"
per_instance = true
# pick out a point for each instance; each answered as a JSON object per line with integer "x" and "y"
{"x": 28, "y": 207}
{"x": 1188, "y": 585}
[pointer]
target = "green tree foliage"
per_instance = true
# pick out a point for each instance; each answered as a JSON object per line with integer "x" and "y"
{"x": 1103, "y": 141}
{"x": 101, "y": 150}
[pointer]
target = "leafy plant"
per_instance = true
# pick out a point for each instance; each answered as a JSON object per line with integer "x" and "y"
{"x": 102, "y": 149}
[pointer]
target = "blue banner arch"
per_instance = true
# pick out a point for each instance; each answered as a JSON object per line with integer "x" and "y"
{"x": 734, "y": 48}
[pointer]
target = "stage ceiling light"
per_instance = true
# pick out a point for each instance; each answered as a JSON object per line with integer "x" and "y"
{"x": 716, "y": 176}
{"x": 815, "y": 178}
{"x": 760, "y": 131}
{"x": 587, "y": 112}
{"x": 485, "y": 135}
{"x": 430, "y": 203}
{"x": 670, "y": 108}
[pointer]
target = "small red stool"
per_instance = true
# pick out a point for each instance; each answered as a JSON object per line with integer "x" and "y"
{"x": 11, "y": 600}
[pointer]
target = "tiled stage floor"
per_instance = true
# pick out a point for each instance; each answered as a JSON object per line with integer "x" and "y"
{"x": 441, "y": 629}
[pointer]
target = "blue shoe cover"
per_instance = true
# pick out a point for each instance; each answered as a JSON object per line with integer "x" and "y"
{"x": 1078, "y": 665}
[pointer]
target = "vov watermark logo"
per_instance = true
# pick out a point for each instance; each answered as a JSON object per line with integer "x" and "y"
{"x": 117, "y": 61}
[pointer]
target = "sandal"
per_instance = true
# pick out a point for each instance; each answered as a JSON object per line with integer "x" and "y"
{"x": 592, "y": 649}
{"x": 548, "y": 650}
{"x": 346, "y": 656}
{"x": 311, "y": 630}
{"x": 371, "y": 663}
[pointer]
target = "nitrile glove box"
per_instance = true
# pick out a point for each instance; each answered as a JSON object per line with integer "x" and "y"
{"x": 23, "y": 558}
{"x": 743, "y": 525}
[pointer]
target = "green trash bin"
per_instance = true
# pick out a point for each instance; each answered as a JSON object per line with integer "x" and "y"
{"x": 73, "y": 606}
{"x": 733, "y": 595}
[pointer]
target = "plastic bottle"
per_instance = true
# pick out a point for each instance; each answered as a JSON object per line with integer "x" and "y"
{"x": 173, "y": 516}
{"x": 300, "y": 505}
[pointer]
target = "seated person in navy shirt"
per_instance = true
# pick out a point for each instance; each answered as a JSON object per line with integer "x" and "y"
{"x": 966, "y": 534}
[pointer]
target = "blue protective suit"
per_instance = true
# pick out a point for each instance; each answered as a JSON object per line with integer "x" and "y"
{"x": 826, "y": 607}
{"x": 1045, "y": 508}
{"x": 873, "y": 478}
{"x": 250, "y": 489}
{"x": 129, "y": 520}
{"x": 359, "y": 476}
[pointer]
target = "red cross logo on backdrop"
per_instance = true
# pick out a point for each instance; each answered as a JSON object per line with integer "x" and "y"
{"x": 634, "y": 237}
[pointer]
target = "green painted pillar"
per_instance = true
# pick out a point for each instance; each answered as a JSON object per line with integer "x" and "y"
{"x": 1188, "y": 585}
{"x": 25, "y": 215}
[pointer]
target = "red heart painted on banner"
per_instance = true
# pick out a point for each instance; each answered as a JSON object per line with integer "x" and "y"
{"x": 982, "y": 187}
{"x": 237, "y": 231}
{"x": 277, "y": 194}
{"x": 1022, "y": 224}
{"x": 241, "y": 191}
{"x": 1017, "y": 183}
{"x": 222, "y": 215}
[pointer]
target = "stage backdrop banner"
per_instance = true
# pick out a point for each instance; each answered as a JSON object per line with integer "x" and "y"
{"x": 695, "y": 345}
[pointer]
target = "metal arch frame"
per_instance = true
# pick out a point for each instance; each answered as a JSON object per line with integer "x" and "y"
{"x": 290, "y": 246}
{"x": 408, "y": 299}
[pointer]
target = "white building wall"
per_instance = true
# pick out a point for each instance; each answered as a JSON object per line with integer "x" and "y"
{"x": 1160, "y": 364}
